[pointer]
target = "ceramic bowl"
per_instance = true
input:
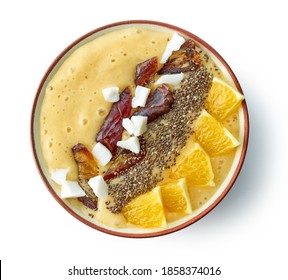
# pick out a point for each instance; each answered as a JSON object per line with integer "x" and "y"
{"x": 199, "y": 213}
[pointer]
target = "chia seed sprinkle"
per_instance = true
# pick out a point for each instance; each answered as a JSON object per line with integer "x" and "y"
{"x": 165, "y": 137}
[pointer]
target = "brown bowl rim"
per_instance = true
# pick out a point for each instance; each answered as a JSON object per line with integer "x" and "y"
{"x": 193, "y": 219}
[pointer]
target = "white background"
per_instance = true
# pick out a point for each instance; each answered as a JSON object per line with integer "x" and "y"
{"x": 246, "y": 235}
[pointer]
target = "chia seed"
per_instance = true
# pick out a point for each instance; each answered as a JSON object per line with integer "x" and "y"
{"x": 165, "y": 137}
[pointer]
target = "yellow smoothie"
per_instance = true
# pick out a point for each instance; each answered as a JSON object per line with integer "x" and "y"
{"x": 74, "y": 109}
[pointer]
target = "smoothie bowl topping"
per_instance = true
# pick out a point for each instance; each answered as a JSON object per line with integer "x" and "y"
{"x": 139, "y": 130}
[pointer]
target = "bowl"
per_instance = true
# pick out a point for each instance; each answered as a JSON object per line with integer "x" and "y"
{"x": 41, "y": 161}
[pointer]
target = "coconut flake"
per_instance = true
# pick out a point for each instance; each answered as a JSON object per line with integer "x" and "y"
{"x": 140, "y": 124}
{"x": 173, "y": 45}
{"x": 99, "y": 186}
{"x": 101, "y": 153}
{"x": 128, "y": 125}
{"x": 140, "y": 98}
{"x": 171, "y": 79}
{"x": 132, "y": 144}
{"x": 59, "y": 175}
{"x": 111, "y": 94}
{"x": 71, "y": 189}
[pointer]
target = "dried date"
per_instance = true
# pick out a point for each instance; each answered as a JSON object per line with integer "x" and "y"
{"x": 86, "y": 163}
{"x": 183, "y": 60}
{"x": 158, "y": 103}
{"x": 124, "y": 159}
{"x": 145, "y": 71}
{"x": 112, "y": 129}
{"x": 87, "y": 168}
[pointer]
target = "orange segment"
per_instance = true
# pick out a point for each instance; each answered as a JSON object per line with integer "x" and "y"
{"x": 222, "y": 99}
{"x": 195, "y": 166}
{"x": 146, "y": 210}
{"x": 175, "y": 196}
{"x": 212, "y": 136}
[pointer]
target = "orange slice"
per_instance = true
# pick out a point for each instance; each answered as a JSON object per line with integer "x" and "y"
{"x": 175, "y": 196}
{"x": 146, "y": 210}
{"x": 222, "y": 99}
{"x": 195, "y": 166}
{"x": 212, "y": 136}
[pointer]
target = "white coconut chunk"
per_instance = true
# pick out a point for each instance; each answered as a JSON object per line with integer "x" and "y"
{"x": 101, "y": 153}
{"x": 173, "y": 45}
{"x": 132, "y": 144}
{"x": 140, "y": 124}
{"x": 71, "y": 189}
{"x": 111, "y": 94}
{"x": 171, "y": 79}
{"x": 99, "y": 186}
{"x": 128, "y": 125}
{"x": 140, "y": 97}
{"x": 59, "y": 175}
